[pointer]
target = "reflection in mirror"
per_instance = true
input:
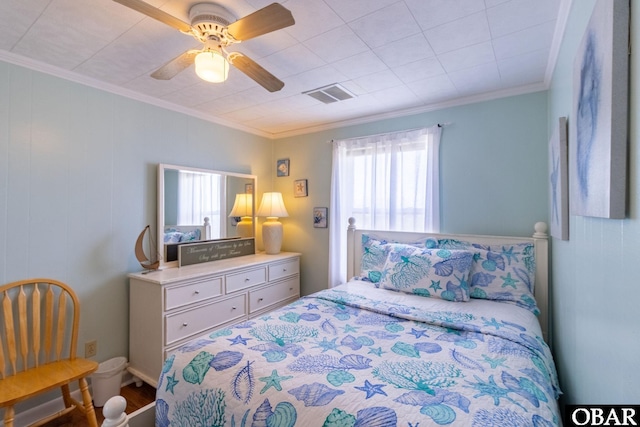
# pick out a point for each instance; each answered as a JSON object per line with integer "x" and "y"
{"x": 196, "y": 205}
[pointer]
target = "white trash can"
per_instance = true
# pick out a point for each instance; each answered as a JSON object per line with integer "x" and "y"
{"x": 107, "y": 380}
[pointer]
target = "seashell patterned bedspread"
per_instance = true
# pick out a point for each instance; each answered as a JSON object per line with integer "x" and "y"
{"x": 356, "y": 355}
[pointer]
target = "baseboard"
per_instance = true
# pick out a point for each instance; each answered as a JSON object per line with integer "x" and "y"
{"x": 32, "y": 415}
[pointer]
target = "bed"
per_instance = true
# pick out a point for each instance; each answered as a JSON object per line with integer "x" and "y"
{"x": 433, "y": 329}
{"x": 175, "y": 235}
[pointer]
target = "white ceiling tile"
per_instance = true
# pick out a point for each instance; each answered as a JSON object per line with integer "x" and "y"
{"x": 375, "y": 30}
{"x": 480, "y": 79}
{"x": 378, "y": 81}
{"x": 16, "y": 17}
{"x": 312, "y": 18}
{"x": 360, "y": 65}
{"x": 528, "y": 40}
{"x": 419, "y": 70}
{"x": 433, "y": 88}
{"x": 493, "y": 3}
{"x": 460, "y": 33}
{"x": 354, "y": 9}
{"x": 431, "y": 13}
{"x": 405, "y": 51}
{"x": 317, "y": 77}
{"x": 517, "y": 15}
{"x": 397, "y": 97}
{"x": 467, "y": 57}
{"x": 338, "y": 43}
{"x": 293, "y": 60}
{"x": 524, "y": 69}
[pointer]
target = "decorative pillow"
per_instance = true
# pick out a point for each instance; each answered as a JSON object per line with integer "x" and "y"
{"x": 374, "y": 255}
{"x": 172, "y": 236}
{"x": 505, "y": 274}
{"x": 191, "y": 236}
{"x": 438, "y": 273}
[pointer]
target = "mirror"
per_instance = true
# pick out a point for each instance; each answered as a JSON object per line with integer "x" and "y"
{"x": 194, "y": 205}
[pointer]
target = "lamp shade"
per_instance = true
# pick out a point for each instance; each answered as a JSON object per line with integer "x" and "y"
{"x": 243, "y": 206}
{"x": 212, "y": 66}
{"x": 272, "y": 206}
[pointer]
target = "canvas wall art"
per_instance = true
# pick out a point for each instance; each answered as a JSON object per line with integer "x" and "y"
{"x": 559, "y": 181}
{"x": 598, "y": 125}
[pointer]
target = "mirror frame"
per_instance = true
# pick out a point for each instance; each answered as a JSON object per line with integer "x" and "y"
{"x": 160, "y": 203}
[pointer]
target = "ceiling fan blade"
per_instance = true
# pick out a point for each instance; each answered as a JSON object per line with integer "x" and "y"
{"x": 255, "y": 72}
{"x": 173, "y": 67}
{"x": 155, "y": 13}
{"x": 270, "y": 18}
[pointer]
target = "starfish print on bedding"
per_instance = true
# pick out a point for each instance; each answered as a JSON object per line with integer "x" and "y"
{"x": 171, "y": 382}
{"x": 509, "y": 254}
{"x": 273, "y": 381}
{"x": 372, "y": 389}
{"x": 509, "y": 281}
{"x": 238, "y": 340}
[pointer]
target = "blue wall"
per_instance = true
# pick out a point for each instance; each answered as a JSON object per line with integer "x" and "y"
{"x": 595, "y": 307}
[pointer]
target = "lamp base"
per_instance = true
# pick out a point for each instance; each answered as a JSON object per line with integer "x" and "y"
{"x": 272, "y": 235}
{"x": 245, "y": 227}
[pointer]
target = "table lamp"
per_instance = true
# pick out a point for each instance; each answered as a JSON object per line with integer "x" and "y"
{"x": 272, "y": 207}
{"x": 243, "y": 207}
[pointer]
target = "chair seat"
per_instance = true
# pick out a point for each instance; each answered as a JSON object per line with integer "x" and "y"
{"x": 29, "y": 383}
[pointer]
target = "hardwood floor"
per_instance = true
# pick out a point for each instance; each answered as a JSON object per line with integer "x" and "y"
{"x": 137, "y": 397}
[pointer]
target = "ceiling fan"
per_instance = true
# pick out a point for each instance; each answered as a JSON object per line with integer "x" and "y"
{"x": 215, "y": 27}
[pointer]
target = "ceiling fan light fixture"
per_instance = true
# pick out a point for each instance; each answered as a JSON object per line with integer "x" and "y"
{"x": 212, "y": 66}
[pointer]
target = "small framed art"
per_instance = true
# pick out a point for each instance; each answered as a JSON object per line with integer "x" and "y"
{"x": 248, "y": 188}
{"x": 300, "y": 188}
{"x": 319, "y": 217}
{"x": 282, "y": 167}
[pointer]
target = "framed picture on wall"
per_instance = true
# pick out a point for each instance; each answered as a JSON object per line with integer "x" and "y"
{"x": 300, "y": 188}
{"x": 559, "y": 181}
{"x": 248, "y": 188}
{"x": 598, "y": 125}
{"x": 282, "y": 167}
{"x": 320, "y": 217}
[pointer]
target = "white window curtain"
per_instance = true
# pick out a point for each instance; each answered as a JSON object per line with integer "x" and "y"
{"x": 386, "y": 182}
{"x": 199, "y": 196}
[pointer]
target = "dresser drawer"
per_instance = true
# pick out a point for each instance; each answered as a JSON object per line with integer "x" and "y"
{"x": 198, "y": 319}
{"x": 246, "y": 279}
{"x": 283, "y": 269}
{"x": 192, "y": 292}
{"x": 272, "y": 294}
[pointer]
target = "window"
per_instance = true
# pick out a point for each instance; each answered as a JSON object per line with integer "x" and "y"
{"x": 199, "y": 196}
{"x": 386, "y": 182}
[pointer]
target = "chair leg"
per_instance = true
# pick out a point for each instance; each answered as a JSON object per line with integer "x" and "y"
{"x": 9, "y": 415}
{"x": 88, "y": 404}
{"x": 66, "y": 396}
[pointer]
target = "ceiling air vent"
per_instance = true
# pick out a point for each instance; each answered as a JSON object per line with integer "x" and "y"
{"x": 329, "y": 94}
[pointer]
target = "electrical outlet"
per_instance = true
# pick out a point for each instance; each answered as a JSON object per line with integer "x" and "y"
{"x": 90, "y": 348}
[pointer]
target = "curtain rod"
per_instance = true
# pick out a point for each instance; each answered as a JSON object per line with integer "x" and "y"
{"x": 440, "y": 125}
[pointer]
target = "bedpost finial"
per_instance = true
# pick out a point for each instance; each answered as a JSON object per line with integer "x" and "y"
{"x": 352, "y": 223}
{"x": 541, "y": 230}
{"x": 114, "y": 412}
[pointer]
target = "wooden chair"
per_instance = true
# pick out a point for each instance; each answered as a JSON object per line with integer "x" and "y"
{"x": 39, "y": 321}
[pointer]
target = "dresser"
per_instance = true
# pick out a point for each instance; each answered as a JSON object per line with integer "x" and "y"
{"x": 169, "y": 307}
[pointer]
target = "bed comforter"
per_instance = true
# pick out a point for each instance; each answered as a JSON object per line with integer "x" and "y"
{"x": 355, "y": 355}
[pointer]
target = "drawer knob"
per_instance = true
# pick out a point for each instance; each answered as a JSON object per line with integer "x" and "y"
{"x": 246, "y": 279}
{"x": 233, "y": 308}
{"x": 197, "y": 292}
{"x": 290, "y": 289}
{"x": 260, "y": 299}
{"x": 185, "y": 324}
{"x": 284, "y": 270}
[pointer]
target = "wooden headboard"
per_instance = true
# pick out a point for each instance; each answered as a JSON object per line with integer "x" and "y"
{"x": 540, "y": 240}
